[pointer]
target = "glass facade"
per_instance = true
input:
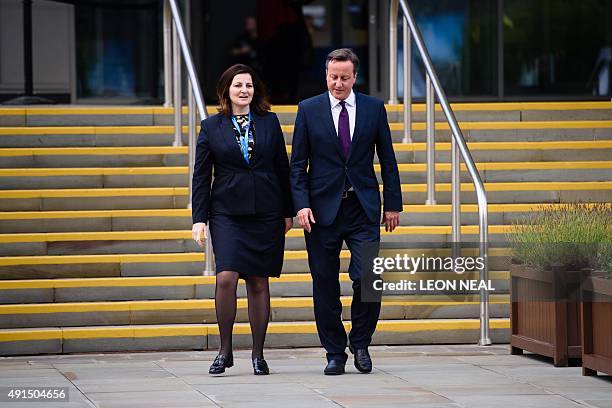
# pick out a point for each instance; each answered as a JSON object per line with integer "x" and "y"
{"x": 516, "y": 49}
{"x": 118, "y": 52}
{"x": 461, "y": 36}
{"x": 482, "y": 49}
{"x": 557, "y": 48}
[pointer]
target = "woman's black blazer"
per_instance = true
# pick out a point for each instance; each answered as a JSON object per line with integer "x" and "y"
{"x": 240, "y": 188}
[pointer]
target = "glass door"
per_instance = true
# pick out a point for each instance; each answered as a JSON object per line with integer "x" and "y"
{"x": 118, "y": 52}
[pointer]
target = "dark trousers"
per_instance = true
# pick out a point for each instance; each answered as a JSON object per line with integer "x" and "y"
{"x": 324, "y": 244}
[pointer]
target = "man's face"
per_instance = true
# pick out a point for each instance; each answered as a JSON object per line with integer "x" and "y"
{"x": 340, "y": 79}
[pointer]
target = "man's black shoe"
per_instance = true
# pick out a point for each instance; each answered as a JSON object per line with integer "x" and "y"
{"x": 363, "y": 362}
{"x": 334, "y": 367}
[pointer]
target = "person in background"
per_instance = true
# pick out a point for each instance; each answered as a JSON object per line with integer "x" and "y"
{"x": 246, "y": 48}
{"x": 248, "y": 208}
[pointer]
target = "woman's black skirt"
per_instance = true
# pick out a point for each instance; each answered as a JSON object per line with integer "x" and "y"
{"x": 252, "y": 245}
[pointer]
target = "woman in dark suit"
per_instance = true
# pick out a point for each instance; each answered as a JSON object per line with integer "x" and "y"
{"x": 249, "y": 207}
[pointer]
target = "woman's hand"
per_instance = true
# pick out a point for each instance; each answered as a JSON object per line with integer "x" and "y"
{"x": 198, "y": 232}
{"x": 288, "y": 224}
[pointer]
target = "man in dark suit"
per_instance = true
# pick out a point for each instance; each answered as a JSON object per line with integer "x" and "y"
{"x": 336, "y": 194}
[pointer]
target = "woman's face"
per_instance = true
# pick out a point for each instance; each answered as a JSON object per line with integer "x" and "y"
{"x": 241, "y": 90}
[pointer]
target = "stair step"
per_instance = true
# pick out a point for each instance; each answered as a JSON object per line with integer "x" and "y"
{"x": 89, "y": 199}
{"x": 177, "y": 219}
{"x": 180, "y": 287}
{"x": 118, "y": 177}
{"x": 177, "y": 197}
{"x": 58, "y": 340}
{"x": 405, "y": 152}
{"x": 119, "y": 242}
{"x": 148, "y": 115}
{"x": 36, "y": 157}
{"x": 139, "y": 136}
{"x": 139, "y": 177}
{"x": 172, "y": 264}
{"x": 203, "y": 310}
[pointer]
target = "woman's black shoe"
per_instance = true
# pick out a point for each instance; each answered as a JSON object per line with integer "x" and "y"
{"x": 260, "y": 367}
{"x": 221, "y": 363}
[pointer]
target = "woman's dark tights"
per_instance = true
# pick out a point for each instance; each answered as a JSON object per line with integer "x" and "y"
{"x": 258, "y": 293}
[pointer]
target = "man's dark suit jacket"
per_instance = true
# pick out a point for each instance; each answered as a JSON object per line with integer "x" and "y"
{"x": 318, "y": 170}
{"x": 261, "y": 186}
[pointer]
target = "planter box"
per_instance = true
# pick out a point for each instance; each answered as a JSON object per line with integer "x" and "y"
{"x": 545, "y": 314}
{"x": 597, "y": 325}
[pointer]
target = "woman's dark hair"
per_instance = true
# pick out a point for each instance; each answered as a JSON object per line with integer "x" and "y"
{"x": 259, "y": 104}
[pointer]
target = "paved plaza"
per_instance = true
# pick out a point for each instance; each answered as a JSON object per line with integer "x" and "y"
{"x": 404, "y": 376}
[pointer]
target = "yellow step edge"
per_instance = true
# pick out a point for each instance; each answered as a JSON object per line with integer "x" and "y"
{"x": 531, "y": 125}
{"x": 183, "y": 191}
{"x": 518, "y": 186}
{"x": 508, "y": 106}
{"x": 404, "y": 167}
{"x": 12, "y": 111}
{"x": 75, "y": 333}
{"x": 408, "y": 208}
{"x": 290, "y": 255}
{"x": 195, "y": 280}
{"x": 528, "y": 125}
{"x": 398, "y": 147}
{"x": 473, "y": 146}
{"x": 412, "y": 167}
{"x": 110, "y": 130}
{"x": 416, "y": 107}
{"x": 186, "y": 235}
{"x": 89, "y": 130}
{"x": 94, "y": 259}
{"x": 92, "y": 151}
{"x": 242, "y": 303}
{"x": 23, "y": 215}
{"x": 95, "y": 192}
{"x": 472, "y": 208}
{"x": 93, "y": 171}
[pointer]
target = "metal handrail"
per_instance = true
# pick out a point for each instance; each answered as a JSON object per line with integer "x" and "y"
{"x": 461, "y": 146}
{"x": 194, "y": 92}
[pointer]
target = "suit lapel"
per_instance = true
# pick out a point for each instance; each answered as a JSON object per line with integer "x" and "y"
{"x": 229, "y": 137}
{"x": 260, "y": 133}
{"x": 328, "y": 120}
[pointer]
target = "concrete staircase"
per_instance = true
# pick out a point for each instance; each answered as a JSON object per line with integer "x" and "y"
{"x": 95, "y": 244}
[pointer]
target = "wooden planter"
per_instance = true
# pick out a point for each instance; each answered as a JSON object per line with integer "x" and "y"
{"x": 545, "y": 315}
{"x": 597, "y": 325}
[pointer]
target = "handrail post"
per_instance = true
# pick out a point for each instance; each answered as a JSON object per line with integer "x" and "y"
{"x": 456, "y": 199}
{"x": 393, "y": 13}
{"x": 199, "y": 100}
{"x": 167, "y": 34}
{"x": 178, "y": 97}
{"x": 431, "y": 144}
{"x": 407, "y": 83}
{"x": 470, "y": 165}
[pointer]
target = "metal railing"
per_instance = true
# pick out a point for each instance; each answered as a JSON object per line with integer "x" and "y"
{"x": 176, "y": 43}
{"x": 459, "y": 146}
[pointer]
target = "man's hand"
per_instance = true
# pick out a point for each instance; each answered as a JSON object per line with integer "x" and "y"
{"x": 391, "y": 220}
{"x": 288, "y": 224}
{"x": 198, "y": 232}
{"x": 305, "y": 217}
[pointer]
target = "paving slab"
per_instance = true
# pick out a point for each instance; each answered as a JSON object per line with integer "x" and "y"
{"x": 434, "y": 376}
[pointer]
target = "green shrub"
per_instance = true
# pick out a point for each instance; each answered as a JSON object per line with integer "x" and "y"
{"x": 574, "y": 236}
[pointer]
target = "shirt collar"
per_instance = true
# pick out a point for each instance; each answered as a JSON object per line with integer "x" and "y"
{"x": 350, "y": 100}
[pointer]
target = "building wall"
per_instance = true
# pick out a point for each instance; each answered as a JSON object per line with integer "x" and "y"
{"x": 52, "y": 43}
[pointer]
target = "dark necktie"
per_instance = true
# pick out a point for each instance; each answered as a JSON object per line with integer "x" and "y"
{"x": 344, "y": 130}
{"x": 344, "y": 134}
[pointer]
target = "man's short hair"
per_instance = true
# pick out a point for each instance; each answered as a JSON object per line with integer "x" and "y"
{"x": 343, "y": 54}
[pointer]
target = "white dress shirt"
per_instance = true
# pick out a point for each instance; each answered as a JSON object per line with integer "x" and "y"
{"x": 350, "y": 107}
